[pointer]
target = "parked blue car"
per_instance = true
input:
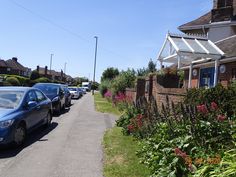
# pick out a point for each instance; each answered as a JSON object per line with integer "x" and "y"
{"x": 22, "y": 110}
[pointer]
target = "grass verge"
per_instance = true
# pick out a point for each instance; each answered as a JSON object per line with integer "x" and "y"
{"x": 120, "y": 158}
{"x": 102, "y": 105}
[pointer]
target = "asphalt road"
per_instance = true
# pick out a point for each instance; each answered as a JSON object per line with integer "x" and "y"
{"x": 71, "y": 147}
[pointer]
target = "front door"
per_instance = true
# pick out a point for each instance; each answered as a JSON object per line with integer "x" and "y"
{"x": 207, "y": 77}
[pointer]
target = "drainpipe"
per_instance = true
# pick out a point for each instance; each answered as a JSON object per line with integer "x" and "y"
{"x": 216, "y": 72}
{"x": 190, "y": 76}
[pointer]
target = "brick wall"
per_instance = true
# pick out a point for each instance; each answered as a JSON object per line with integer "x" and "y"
{"x": 226, "y": 78}
{"x": 131, "y": 93}
{"x": 195, "y": 79}
{"x": 159, "y": 93}
{"x": 153, "y": 88}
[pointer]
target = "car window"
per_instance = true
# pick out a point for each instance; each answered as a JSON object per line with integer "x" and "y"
{"x": 10, "y": 99}
{"x": 40, "y": 96}
{"x": 31, "y": 96}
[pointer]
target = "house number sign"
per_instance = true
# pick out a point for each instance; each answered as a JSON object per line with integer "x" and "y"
{"x": 222, "y": 69}
{"x": 195, "y": 72}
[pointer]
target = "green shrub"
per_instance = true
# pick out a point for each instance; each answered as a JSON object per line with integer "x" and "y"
{"x": 42, "y": 80}
{"x": 224, "y": 97}
{"x": 13, "y": 81}
{"x": 104, "y": 87}
{"x": 125, "y": 79}
{"x": 34, "y": 75}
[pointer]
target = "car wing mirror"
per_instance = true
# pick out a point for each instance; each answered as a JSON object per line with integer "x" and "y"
{"x": 31, "y": 104}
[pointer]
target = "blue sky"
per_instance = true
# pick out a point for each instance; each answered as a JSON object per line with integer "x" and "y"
{"x": 130, "y": 31}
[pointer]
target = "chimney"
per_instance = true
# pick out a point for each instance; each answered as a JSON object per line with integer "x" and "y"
{"x": 14, "y": 59}
{"x": 215, "y": 4}
{"x": 46, "y": 70}
{"x": 222, "y": 10}
{"x": 38, "y": 68}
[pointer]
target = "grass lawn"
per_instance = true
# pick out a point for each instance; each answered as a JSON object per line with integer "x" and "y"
{"x": 120, "y": 158}
{"x": 102, "y": 105}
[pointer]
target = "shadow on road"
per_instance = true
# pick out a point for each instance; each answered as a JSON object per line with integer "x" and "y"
{"x": 37, "y": 135}
{"x": 66, "y": 110}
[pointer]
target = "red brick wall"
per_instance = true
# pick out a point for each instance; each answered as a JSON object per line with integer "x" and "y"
{"x": 131, "y": 93}
{"x": 195, "y": 79}
{"x": 157, "y": 91}
{"x": 175, "y": 94}
{"x": 226, "y": 77}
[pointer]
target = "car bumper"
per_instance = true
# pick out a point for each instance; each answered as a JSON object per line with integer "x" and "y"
{"x": 6, "y": 136}
{"x": 75, "y": 96}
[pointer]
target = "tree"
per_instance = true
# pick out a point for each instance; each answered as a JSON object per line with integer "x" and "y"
{"x": 126, "y": 79}
{"x": 110, "y": 74}
{"x": 142, "y": 72}
{"x": 151, "y": 66}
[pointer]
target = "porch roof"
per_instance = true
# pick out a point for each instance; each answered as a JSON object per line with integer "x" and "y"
{"x": 186, "y": 50}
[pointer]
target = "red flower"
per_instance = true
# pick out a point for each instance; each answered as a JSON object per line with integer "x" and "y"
{"x": 214, "y": 106}
{"x": 202, "y": 109}
{"x": 221, "y": 118}
{"x": 131, "y": 128}
{"x": 179, "y": 153}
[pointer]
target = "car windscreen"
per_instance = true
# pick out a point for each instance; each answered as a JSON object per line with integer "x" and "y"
{"x": 10, "y": 99}
{"x": 72, "y": 89}
{"x": 48, "y": 89}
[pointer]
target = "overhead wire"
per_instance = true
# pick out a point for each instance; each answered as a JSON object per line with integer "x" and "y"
{"x": 62, "y": 27}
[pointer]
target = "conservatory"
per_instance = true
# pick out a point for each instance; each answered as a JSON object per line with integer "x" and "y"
{"x": 187, "y": 51}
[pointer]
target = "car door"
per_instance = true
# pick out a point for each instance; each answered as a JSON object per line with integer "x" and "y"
{"x": 43, "y": 104}
{"x": 32, "y": 117}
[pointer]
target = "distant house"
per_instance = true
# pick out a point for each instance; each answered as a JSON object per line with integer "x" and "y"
{"x": 208, "y": 48}
{"x": 12, "y": 66}
{"x": 51, "y": 74}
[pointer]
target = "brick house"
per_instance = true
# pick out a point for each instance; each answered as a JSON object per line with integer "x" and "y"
{"x": 51, "y": 74}
{"x": 212, "y": 40}
{"x": 12, "y": 66}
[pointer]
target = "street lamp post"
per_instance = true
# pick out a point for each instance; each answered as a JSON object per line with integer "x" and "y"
{"x": 51, "y": 64}
{"x": 95, "y": 60}
{"x": 65, "y": 71}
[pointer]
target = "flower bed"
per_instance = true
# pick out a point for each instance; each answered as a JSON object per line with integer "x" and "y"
{"x": 195, "y": 138}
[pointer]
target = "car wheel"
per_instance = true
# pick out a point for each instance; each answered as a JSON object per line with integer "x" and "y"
{"x": 48, "y": 120}
{"x": 70, "y": 102}
{"x": 58, "y": 110}
{"x": 19, "y": 135}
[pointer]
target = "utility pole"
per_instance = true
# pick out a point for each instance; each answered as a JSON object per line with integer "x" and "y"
{"x": 51, "y": 64}
{"x": 95, "y": 60}
{"x": 65, "y": 71}
{"x": 65, "y": 68}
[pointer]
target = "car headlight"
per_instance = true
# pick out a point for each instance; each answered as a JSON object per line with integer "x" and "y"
{"x": 55, "y": 99}
{"x": 6, "y": 123}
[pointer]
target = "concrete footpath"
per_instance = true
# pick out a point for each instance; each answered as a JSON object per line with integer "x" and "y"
{"x": 71, "y": 147}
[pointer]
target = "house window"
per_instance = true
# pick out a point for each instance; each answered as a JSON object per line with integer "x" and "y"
{"x": 224, "y": 3}
{"x": 234, "y": 74}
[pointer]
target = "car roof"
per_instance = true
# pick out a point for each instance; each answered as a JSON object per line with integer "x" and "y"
{"x": 13, "y": 88}
{"x": 49, "y": 84}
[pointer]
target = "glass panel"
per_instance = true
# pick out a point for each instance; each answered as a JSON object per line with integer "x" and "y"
{"x": 181, "y": 45}
{"x": 209, "y": 47}
{"x": 168, "y": 50}
{"x": 10, "y": 99}
{"x": 197, "y": 48}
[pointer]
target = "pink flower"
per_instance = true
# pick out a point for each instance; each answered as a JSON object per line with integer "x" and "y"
{"x": 120, "y": 97}
{"x": 214, "y": 106}
{"x": 202, "y": 109}
{"x": 221, "y": 118}
{"x": 108, "y": 94}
